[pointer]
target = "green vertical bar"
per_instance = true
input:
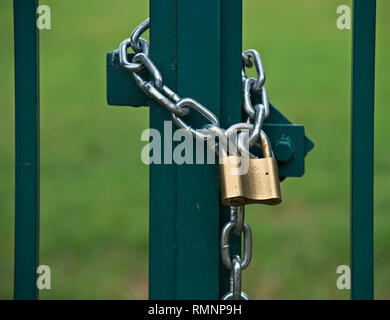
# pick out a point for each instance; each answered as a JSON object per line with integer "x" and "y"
{"x": 197, "y": 46}
{"x": 199, "y": 77}
{"x": 230, "y": 113}
{"x": 204, "y": 70}
{"x": 163, "y": 186}
{"x": 362, "y": 167}
{"x": 26, "y": 148}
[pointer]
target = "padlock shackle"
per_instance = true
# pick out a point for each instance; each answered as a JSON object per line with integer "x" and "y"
{"x": 266, "y": 145}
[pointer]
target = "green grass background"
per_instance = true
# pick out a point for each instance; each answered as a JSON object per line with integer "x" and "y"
{"x": 94, "y": 187}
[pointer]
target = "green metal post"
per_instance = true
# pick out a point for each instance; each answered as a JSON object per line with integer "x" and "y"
{"x": 197, "y": 45}
{"x": 230, "y": 108}
{"x": 162, "y": 177}
{"x": 362, "y": 167}
{"x": 26, "y": 149}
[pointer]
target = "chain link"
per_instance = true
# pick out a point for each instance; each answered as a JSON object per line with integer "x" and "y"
{"x": 246, "y": 134}
{"x": 235, "y": 264}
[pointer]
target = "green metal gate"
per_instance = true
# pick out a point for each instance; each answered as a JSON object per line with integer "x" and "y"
{"x": 184, "y": 229}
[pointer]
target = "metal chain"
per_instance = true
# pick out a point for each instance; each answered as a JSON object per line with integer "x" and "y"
{"x": 179, "y": 107}
{"x": 234, "y": 263}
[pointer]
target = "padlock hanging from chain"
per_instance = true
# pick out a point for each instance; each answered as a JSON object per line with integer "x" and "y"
{"x": 258, "y": 184}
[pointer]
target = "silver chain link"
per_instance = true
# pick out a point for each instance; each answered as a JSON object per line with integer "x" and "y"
{"x": 235, "y": 263}
{"x": 179, "y": 107}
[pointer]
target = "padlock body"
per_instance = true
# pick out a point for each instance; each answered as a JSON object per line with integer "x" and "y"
{"x": 259, "y": 184}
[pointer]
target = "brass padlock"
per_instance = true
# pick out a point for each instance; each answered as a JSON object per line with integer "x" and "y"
{"x": 258, "y": 184}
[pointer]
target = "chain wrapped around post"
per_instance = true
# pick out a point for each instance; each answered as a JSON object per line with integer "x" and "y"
{"x": 245, "y": 134}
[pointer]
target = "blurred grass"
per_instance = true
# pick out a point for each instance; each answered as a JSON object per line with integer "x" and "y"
{"x": 94, "y": 188}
